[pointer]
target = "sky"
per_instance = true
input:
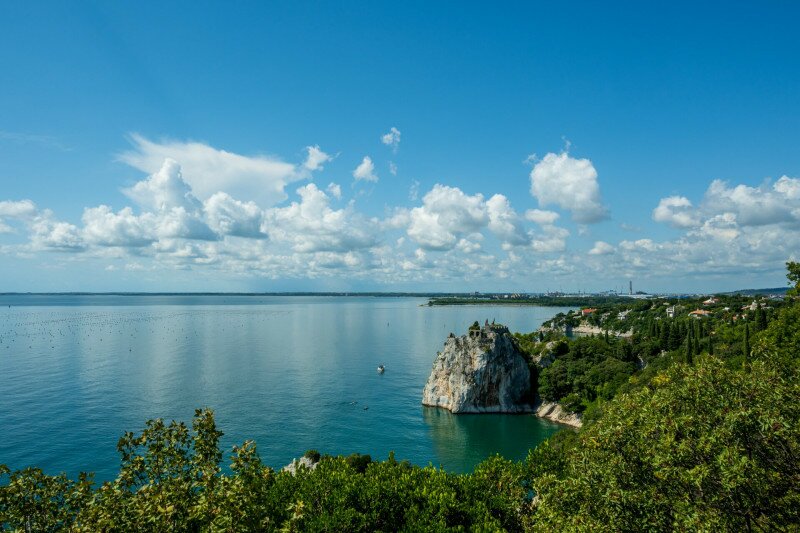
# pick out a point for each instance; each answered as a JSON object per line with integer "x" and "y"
{"x": 414, "y": 146}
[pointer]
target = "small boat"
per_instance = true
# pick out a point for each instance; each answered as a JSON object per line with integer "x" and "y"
{"x": 381, "y": 369}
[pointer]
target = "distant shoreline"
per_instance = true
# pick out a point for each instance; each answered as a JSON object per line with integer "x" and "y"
{"x": 354, "y": 294}
{"x": 436, "y": 298}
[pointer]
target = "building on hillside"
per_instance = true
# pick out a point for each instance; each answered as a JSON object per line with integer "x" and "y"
{"x": 588, "y": 311}
{"x": 623, "y": 315}
{"x": 700, "y": 313}
{"x": 671, "y": 311}
{"x": 711, "y": 301}
{"x": 753, "y": 306}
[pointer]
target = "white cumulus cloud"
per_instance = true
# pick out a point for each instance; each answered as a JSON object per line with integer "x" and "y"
{"x": 316, "y": 158}
{"x": 50, "y": 234}
{"x": 163, "y": 189}
{"x": 504, "y": 221}
{"x": 228, "y": 216}
{"x": 392, "y": 138}
{"x": 335, "y": 190}
{"x": 446, "y": 213}
{"x": 541, "y": 217}
{"x": 209, "y": 170}
{"x": 103, "y": 227}
{"x": 676, "y": 211}
{"x": 755, "y": 206}
{"x": 21, "y": 209}
{"x": 601, "y": 248}
{"x": 365, "y": 170}
{"x": 310, "y": 225}
{"x": 571, "y": 184}
{"x": 551, "y": 239}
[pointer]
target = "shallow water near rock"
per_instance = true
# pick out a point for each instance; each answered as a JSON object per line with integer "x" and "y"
{"x": 291, "y": 373}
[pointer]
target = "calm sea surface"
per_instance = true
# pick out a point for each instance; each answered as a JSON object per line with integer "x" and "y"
{"x": 292, "y": 373}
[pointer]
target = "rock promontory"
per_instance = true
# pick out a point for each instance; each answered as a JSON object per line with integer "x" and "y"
{"x": 483, "y": 371}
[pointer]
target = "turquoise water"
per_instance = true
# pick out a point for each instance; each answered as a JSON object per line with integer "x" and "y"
{"x": 292, "y": 373}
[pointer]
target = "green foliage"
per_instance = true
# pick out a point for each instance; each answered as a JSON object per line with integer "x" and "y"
{"x": 584, "y": 370}
{"x": 793, "y": 275}
{"x": 746, "y": 343}
{"x": 33, "y": 501}
{"x": 170, "y": 480}
{"x": 314, "y": 455}
{"x": 703, "y": 448}
{"x": 358, "y": 462}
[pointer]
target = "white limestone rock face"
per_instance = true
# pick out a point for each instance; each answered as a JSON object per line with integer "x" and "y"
{"x": 481, "y": 372}
{"x": 295, "y": 465}
{"x": 556, "y": 413}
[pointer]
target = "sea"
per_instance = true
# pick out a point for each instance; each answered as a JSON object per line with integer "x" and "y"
{"x": 292, "y": 373}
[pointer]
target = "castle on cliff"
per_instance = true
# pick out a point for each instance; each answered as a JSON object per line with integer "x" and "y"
{"x": 478, "y": 332}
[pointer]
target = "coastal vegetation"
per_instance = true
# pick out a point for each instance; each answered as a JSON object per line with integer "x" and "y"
{"x": 692, "y": 422}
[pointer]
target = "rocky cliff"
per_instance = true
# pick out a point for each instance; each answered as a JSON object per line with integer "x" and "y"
{"x": 556, "y": 413}
{"x": 480, "y": 372}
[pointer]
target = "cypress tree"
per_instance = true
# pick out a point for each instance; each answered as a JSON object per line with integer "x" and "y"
{"x": 747, "y": 342}
{"x": 757, "y": 318}
{"x": 664, "y": 339}
{"x": 710, "y": 346}
{"x": 689, "y": 350}
{"x": 675, "y": 337}
{"x": 761, "y": 318}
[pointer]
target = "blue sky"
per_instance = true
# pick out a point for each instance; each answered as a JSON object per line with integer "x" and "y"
{"x": 667, "y": 134}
